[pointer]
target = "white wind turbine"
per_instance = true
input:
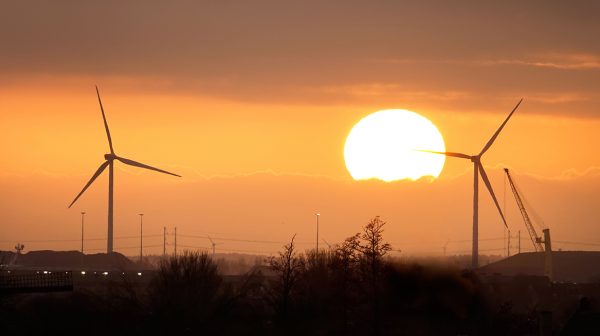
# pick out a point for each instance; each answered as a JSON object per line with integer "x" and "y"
{"x": 478, "y": 169}
{"x": 213, "y": 244}
{"x": 109, "y": 163}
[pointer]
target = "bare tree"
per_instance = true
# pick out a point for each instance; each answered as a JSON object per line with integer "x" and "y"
{"x": 372, "y": 248}
{"x": 288, "y": 267}
{"x": 345, "y": 261}
{"x": 186, "y": 289}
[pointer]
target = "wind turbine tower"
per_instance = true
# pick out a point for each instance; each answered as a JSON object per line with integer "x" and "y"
{"x": 109, "y": 162}
{"x": 213, "y": 244}
{"x": 478, "y": 169}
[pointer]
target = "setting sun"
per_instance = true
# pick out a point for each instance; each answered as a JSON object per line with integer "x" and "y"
{"x": 384, "y": 145}
{"x": 290, "y": 161}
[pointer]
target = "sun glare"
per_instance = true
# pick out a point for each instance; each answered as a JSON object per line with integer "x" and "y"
{"x": 385, "y": 145}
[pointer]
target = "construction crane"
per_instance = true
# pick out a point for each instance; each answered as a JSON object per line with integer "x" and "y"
{"x": 539, "y": 244}
{"x": 535, "y": 239}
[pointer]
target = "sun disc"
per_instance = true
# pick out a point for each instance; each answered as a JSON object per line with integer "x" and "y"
{"x": 386, "y": 145}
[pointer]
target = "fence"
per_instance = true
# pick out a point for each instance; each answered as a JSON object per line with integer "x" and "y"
{"x": 36, "y": 282}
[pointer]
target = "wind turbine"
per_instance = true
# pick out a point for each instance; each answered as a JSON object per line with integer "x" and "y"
{"x": 478, "y": 169}
{"x": 110, "y": 158}
{"x": 445, "y": 245}
{"x": 213, "y": 244}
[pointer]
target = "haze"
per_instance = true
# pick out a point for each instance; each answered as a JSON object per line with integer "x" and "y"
{"x": 252, "y": 102}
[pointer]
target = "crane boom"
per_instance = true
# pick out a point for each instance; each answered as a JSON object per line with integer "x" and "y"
{"x": 535, "y": 239}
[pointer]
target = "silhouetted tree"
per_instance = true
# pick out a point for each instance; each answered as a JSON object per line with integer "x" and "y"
{"x": 344, "y": 265}
{"x": 185, "y": 290}
{"x": 372, "y": 248}
{"x": 288, "y": 266}
{"x": 316, "y": 278}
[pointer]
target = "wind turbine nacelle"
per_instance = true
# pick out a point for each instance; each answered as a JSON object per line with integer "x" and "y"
{"x": 109, "y": 157}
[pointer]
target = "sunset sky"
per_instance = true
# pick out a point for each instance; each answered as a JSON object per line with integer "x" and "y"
{"x": 251, "y": 102}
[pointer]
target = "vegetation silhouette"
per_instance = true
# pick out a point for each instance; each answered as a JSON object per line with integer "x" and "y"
{"x": 352, "y": 288}
{"x": 288, "y": 267}
{"x": 185, "y": 290}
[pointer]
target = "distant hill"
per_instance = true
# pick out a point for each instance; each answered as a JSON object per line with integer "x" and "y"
{"x": 67, "y": 260}
{"x": 228, "y": 263}
{"x": 568, "y": 266}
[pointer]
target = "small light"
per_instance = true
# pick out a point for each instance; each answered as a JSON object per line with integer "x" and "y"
{"x": 8, "y": 272}
{"x": 105, "y": 273}
{"x": 45, "y": 272}
{"x": 139, "y": 273}
{"x": 82, "y": 272}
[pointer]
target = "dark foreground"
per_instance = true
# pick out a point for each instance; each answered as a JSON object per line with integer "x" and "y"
{"x": 315, "y": 297}
{"x": 350, "y": 289}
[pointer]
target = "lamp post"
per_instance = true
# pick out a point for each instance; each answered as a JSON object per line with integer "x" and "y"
{"x": 318, "y": 215}
{"x": 82, "y": 221}
{"x": 141, "y": 235}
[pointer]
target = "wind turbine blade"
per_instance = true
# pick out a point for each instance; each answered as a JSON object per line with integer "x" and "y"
{"x": 486, "y": 180}
{"x": 105, "y": 123}
{"x": 96, "y": 174}
{"x": 458, "y": 155}
{"x": 141, "y": 165}
{"x": 493, "y": 138}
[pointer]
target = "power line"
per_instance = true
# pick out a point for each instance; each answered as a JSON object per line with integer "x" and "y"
{"x": 74, "y": 240}
{"x": 247, "y": 240}
{"x": 124, "y": 248}
{"x": 257, "y": 241}
{"x": 226, "y": 249}
{"x": 576, "y": 243}
{"x": 481, "y": 250}
{"x": 420, "y": 243}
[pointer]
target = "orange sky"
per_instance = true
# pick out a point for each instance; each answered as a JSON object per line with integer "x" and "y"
{"x": 251, "y": 102}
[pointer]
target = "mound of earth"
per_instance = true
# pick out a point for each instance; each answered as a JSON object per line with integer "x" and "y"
{"x": 67, "y": 260}
{"x": 568, "y": 266}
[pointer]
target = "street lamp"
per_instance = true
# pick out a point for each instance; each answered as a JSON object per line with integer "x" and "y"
{"x": 318, "y": 215}
{"x": 82, "y": 221}
{"x": 141, "y": 235}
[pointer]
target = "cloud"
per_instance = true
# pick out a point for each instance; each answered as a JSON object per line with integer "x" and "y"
{"x": 270, "y": 206}
{"x": 574, "y": 173}
{"x": 555, "y": 61}
{"x": 310, "y": 52}
{"x": 561, "y": 98}
{"x": 389, "y": 89}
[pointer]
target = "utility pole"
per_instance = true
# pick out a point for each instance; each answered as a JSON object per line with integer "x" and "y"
{"x": 504, "y": 245}
{"x": 141, "y": 235}
{"x": 318, "y": 215}
{"x": 176, "y": 241}
{"x": 164, "y": 241}
{"x": 519, "y": 241}
{"x": 82, "y": 222}
{"x": 508, "y": 246}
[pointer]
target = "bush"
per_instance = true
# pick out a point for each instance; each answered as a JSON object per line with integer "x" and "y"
{"x": 186, "y": 290}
